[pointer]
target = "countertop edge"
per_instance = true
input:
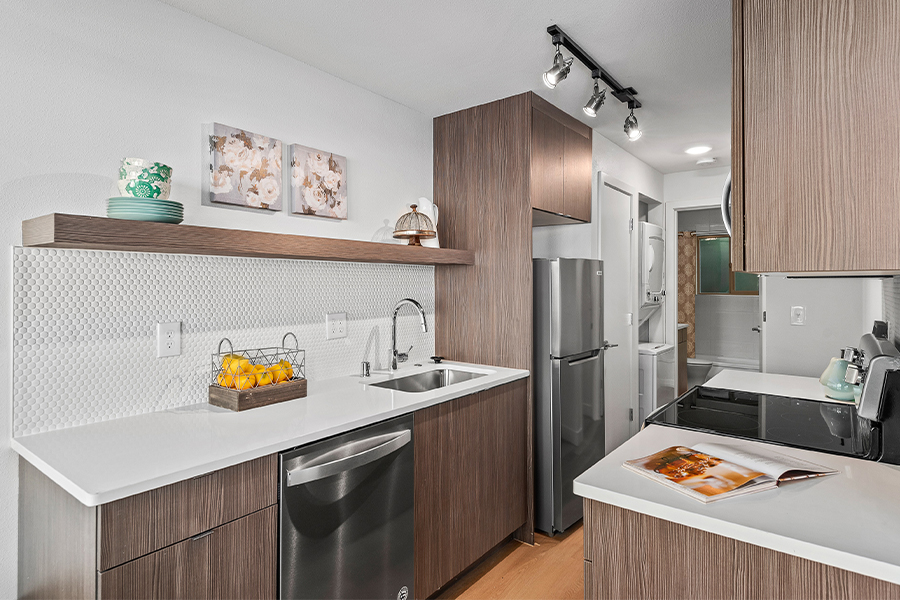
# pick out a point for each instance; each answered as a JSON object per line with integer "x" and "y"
{"x": 93, "y": 498}
{"x": 787, "y": 545}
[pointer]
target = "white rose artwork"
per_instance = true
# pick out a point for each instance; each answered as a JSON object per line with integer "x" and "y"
{"x": 318, "y": 183}
{"x": 244, "y": 168}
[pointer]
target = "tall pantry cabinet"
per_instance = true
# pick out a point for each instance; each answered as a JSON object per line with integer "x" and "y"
{"x": 499, "y": 168}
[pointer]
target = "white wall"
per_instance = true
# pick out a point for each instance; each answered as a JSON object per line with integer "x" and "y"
{"x": 582, "y": 241}
{"x": 87, "y": 83}
{"x": 695, "y": 185}
{"x": 838, "y": 312}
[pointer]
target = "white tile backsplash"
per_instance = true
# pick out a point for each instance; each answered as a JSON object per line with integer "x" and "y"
{"x": 84, "y": 325}
{"x": 723, "y": 326}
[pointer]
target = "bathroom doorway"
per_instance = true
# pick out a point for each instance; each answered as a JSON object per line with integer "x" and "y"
{"x": 718, "y": 309}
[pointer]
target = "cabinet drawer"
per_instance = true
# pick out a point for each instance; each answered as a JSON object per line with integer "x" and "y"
{"x": 140, "y": 524}
{"x": 236, "y": 560}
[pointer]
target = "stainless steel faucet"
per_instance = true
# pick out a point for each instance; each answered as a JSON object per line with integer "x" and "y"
{"x": 399, "y": 357}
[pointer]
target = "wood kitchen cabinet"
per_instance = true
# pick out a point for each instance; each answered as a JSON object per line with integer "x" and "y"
{"x": 560, "y": 165}
{"x": 499, "y": 169}
{"x": 471, "y": 484}
{"x": 815, "y": 136}
{"x": 231, "y": 561}
{"x": 632, "y": 555}
{"x": 213, "y": 536}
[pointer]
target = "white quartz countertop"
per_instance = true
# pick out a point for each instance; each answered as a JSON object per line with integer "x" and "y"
{"x": 102, "y": 462}
{"x": 850, "y": 520}
{"x": 774, "y": 384}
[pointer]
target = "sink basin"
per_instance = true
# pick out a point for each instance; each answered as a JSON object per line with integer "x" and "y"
{"x": 427, "y": 381}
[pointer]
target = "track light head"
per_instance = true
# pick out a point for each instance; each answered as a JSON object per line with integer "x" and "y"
{"x": 631, "y": 127}
{"x": 595, "y": 101}
{"x": 558, "y": 71}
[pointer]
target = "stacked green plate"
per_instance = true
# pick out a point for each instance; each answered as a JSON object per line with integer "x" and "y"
{"x": 145, "y": 209}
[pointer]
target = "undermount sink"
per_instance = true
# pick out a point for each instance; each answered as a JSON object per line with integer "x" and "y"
{"x": 427, "y": 381}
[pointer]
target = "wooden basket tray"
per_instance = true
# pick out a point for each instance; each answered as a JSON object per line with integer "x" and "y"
{"x": 233, "y": 399}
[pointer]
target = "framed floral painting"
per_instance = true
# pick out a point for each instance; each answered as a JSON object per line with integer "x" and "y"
{"x": 318, "y": 183}
{"x": 244, "y": 168}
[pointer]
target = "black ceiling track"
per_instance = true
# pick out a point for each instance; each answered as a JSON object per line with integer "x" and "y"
{"x": 622, "y": 94}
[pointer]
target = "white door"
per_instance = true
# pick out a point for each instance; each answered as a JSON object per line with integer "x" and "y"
{"x": 619, "y": 279}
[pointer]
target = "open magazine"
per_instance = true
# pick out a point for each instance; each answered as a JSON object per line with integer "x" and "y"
{"x": 710, "y": 472}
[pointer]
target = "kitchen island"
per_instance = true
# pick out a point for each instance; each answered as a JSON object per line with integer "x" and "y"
{"x": 831, "y": 537}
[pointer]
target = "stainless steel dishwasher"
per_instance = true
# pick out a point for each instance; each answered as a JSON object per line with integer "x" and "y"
{"x": 346, "y": 515}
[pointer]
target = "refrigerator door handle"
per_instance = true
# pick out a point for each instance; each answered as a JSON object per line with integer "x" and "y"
{"x": 593, "y": 356}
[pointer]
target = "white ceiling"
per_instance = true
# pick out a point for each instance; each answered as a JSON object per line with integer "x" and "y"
{"x": 441, "y": 56}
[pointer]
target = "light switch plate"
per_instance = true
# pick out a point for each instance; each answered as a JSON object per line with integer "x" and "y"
{"x": 798, "y": 315}
{"x": 335, "y": 326}
{"x": 168, "y": 339}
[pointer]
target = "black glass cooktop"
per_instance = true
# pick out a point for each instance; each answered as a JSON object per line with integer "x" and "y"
{"x": 796, "y": 422}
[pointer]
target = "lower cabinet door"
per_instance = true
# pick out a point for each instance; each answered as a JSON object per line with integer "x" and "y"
{"x": 235, "y": 560}
{"x": 470, "y": 480}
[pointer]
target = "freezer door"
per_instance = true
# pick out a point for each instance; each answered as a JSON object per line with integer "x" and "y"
{"x": 578, "y": 394}
{"x": 576, "y": 306}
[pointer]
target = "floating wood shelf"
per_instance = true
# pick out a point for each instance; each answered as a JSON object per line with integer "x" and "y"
{"x": 100, "y": 233}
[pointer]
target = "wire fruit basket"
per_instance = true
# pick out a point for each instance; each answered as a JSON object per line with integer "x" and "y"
{"x": 243, "y": 379}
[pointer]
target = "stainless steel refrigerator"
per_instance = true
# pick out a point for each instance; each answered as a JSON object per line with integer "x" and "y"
{"x": 568, "y": 384}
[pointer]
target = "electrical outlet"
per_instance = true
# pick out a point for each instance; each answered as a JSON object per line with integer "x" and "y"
{"x": 335, "y": 326}
{"x": 168, "y": 339}
{"x": 798, "y": 315}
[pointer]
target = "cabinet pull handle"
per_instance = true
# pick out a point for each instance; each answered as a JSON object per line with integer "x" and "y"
{"x": 200, "y": 536}
{"x": 726, "y": 205}
{"x": 594, "y": 356}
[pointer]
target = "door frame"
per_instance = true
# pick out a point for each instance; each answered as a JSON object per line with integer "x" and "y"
{"x": 672, "y": 209}
{"x": 603, "y": 181}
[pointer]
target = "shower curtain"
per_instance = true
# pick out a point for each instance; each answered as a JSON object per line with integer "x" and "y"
{"x": 687, "y": 283}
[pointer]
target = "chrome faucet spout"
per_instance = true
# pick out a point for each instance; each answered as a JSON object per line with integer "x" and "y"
{"x": 399, "y": 357}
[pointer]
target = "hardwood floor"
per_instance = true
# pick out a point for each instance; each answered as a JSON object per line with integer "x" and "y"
{"x": 551, "y": 569}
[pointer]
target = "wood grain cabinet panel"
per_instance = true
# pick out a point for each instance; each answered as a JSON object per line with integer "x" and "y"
{"x": 236, "y": 560}
{"x": 470, "y": 475}
{"x": 816, "y": 138}
{"x": 209, "y": 537}
{"x": 578, "y": 167}
{"x": 561, "y": 163}
{"x": 548, "y": 148}
{"x": 632, "y": 555}
{"x": 482, "y": 183}
{"x": 140, "y": 524}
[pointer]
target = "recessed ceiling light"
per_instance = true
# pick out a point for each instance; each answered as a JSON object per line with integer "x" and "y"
{"x": 706, "y": 161}
{"x": 698, "y": 150}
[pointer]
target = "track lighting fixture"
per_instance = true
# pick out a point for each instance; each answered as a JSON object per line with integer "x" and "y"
{"x": 558, "y": 71}
{"x": 596, "y": 100}
{"x": 631, "y": 127}
{"x": 561, "y": 67}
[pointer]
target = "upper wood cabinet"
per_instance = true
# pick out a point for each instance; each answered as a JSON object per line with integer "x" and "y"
{"x": 548, "y": 147}
{"x": 816, "y": 135}
{"x": 560, "y": 166}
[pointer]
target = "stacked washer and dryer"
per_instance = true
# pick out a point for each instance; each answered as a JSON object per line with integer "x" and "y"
{"x": 657, "y": 364}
